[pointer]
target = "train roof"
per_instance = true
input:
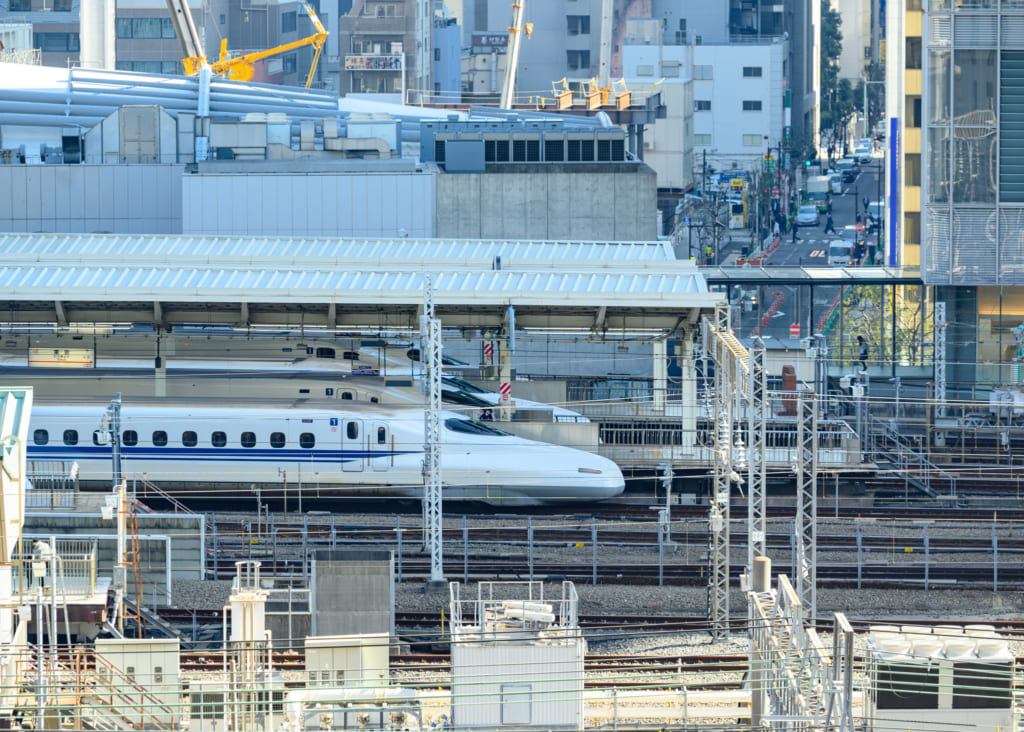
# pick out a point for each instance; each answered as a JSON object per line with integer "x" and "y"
{"x": 248, "y": 405}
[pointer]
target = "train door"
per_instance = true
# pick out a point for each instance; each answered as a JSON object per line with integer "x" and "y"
{"x": 352, "y": 445}
{"x": 378, "y": 446}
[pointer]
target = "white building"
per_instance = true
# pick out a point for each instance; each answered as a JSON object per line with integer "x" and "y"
{"x": 738, "y": 101}
{"x": 668, "y": 143}
{"x": 857, "y": 41}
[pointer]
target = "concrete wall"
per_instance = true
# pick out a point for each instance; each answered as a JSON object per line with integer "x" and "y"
{"x": 353, "y": 592}
{"x": 122, "y": 199}
{"x": 550, "y": 201}
{"x": 356, "y": 204}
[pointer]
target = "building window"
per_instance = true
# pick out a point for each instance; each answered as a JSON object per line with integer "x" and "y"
{"x": 670, "y": 69}
{"x": 702, "y": 105}
{"x": 277, "y": 439}
{"x": 189, "y": 438}
{"x": 913, "y": 59}
{"x": 437, "y": 54}
{"x": 577, "y": 60}
{"x": 288, "y": 22}
{"x": 21, "y": 6}
{"x": 289, "y": 63}
{"x": 387, "y": 11}
{"x": 703, "y": 72}
{"x": 645, "y": 70}
{"x": 159, "y": 438}
{"x": 223, "y": 19}
{"x": 751, "y": 105}
{"x": 248, "y": 439}
{"x": 579, "y": 25}
{"x": 704, "y": 140}
{"x": 307, "y": 441}
{"x": 48, "y": 42}
{"x": 751, "y": 72}
{"x": 62, "y": 6}
{"x": 749, "y": 140}
{"x": 145, "y": 28}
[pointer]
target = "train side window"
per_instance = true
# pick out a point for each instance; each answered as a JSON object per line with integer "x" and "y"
{"x": 248, "y": 439}
{"x": 307, "y": 440}
{"x": 159, "y": 438}
{"x": 382, "y": 435}
{"x": 40, "y": 437}
{"x": 352, "y": 430}
{"x": 189, "y": 438}
{"x": 129, "y": 438}
{"x": 346, "y": 395}
{"x": 277, "y": 439}
{"x": 70, "y": 437}
{"x": 218, "y": 439}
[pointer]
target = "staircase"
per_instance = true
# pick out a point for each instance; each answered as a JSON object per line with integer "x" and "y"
{"x": 892, "y": 451}
{"x": 111, "y": 700}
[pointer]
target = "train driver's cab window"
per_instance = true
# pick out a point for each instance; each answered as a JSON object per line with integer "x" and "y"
{"x": 277, "y": 439}
{"x": 70, "y": 437}
{"x": 382, "y": 435}
{"x": 248, "y": 439}
{"x": 40, "y": 437}
{"x": 159, "y": 438}
{"x": 189, "y": 438}
{"x": 129, "y": 438}
{"x": 346, "y": 395}
{"x": 218, "y": 439}
{"x": 307, "y": 440}
{"x": 352, "y": 430}
{"x": 325, "y": 353}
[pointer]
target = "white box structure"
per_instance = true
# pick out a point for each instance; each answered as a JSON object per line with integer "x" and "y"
{"x": 141, "y": 679}
{"x": 946, "y": 677}
{"x": 517, "y": 659}
{"x": 348, "y": 661}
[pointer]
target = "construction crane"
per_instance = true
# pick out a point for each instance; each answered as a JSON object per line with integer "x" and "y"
{"x": 239, "y": 68}
{"x": 514, "y": 40}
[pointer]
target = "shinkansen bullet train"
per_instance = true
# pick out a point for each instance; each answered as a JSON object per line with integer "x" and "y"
{"x": 333, "y": 448}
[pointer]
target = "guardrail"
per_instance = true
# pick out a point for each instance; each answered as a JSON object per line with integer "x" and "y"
{"x": 70, "y": 572}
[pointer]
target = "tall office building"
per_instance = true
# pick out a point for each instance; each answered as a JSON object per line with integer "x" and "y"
{"x": 956, "y": 115}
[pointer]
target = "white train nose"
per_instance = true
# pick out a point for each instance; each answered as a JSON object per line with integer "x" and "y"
{"x": 604, "y": 479}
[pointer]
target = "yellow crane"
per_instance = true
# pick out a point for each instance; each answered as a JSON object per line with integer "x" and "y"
{"x": 241, "y": 67}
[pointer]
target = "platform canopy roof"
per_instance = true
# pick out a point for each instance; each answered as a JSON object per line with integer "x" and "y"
{"x": 80, "y": 280}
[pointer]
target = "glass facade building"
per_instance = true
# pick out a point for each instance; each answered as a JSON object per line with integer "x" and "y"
{"x": 973, "y": 163}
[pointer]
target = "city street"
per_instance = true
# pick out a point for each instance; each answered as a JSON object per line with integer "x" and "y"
{"x": 811, "y": 249}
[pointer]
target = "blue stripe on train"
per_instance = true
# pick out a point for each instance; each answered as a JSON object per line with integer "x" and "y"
{"x": 90, "y": 452}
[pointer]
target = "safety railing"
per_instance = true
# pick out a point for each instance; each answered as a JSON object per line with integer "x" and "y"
{"x": 69, "y": 572}
{"x": 54, "y": 485}
{"x": 115, "y": 697}
{"x": 886, "y": 443}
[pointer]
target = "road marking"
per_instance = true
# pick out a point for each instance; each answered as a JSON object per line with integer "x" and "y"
{"x": 818, "y": 253}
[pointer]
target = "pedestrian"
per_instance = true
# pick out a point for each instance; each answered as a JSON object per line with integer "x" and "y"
{"x": 830, "y": 227}
{"x": 775, "y": 229}
{"x": 866, "y": 201}
{"x": 709, "y": 253}
{"x": 863, "y": 358}
{"x": 795, "y": 237}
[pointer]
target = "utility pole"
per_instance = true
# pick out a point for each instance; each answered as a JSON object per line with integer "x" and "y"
{"x": 113, "y": 419}
{"x": 430, "y": 332}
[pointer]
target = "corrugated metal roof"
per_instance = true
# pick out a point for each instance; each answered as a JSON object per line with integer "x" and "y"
{"x": 132, "y": 283}
{"x": 317, "y": 252}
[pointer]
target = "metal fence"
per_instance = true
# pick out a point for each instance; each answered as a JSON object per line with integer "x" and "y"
{"x": 65, "y": 567}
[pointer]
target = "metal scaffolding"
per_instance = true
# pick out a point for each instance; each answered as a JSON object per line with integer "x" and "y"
{"x": 795, "y": 685}
{"x": 756, "y": 462}
{"x": 805, "y": 571}
{"x": 731, "y": 368}
{"x": 940, "y": 359}
{"x": 430, "y": 332}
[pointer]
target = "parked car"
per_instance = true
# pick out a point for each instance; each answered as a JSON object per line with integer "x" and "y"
{"x": 807, "y": 215}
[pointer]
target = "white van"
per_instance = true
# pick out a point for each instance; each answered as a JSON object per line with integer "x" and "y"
{"x": 840, "y": 253}
{"x": 837, "y": 183}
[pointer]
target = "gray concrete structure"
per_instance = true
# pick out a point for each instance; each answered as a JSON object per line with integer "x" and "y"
{"x": 353, "y": 592}
{"x": 550, "y": 201}
{"x": 122, "y": 199}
